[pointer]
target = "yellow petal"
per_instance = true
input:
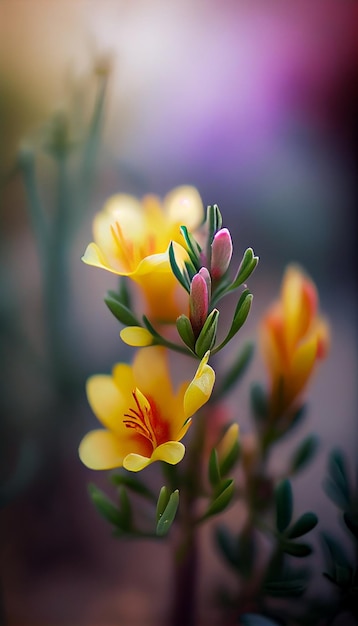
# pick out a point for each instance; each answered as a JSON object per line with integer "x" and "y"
{"x": 136, "y": 336}
{"x": 183, "y": 205}
{"x": 151, "y": 372}
{"x": 200, "y": 388}
{"x": 171, "y": 452}
{"x": 302, "y": 365}
{"x": 101, "y": 450}
{"x": 108, "y": 402}
{"x": 96, "y": 257}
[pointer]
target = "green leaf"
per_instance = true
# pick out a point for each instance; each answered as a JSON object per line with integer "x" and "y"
{"x": 284, "y": 505}
{"x": 185, "y": 331}
{"x": 120, "y": 312}
{"x": 133, "y": 484}
{"x": 222, "y": 500}
{"x": 207, "y": 336}
{"x": 247, "y": 266}
{"x": 304, "y": 453}
{"x": 339, "y": 476}
{"x": 162, "y": 502}
{"x": 214, "y": 470}
{"x": 236, "y": 370}
{"x": 259, "y": 401}
{"x": 285, "y": 588}
{"x": 125, "y": 510}
{"x": 105, "y": 506}
{"x": 296, "y": 549}
{"x": 168, "y": 515}
{"x": 230, "y": 460}
{"x": 303, "y": 525}
{"x": 176, "y": 270}
{"x": 334, "y": 550}
{"x": 241, "y": 312}
{"x": 214, "y": 221}
{"x": 193, "y": 247}
{"x": 351, "y": 521}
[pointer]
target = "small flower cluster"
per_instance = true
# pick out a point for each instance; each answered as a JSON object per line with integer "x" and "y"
{"x": 179, "y": 262}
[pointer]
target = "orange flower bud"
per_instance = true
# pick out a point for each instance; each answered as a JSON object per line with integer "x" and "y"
{"x": 293, "y": 338}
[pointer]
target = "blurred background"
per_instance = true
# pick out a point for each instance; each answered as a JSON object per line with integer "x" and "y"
{"x": 254, "y": 104}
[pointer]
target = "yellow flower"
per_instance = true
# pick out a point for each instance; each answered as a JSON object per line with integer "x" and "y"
{"x": 131, "y": 238}
{"x": 144, "y": 419}
{"x": 293, "y": 338}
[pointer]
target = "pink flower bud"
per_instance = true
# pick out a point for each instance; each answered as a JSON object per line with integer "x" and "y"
{"x": 204, "y": 272}
{"x": 221, "y": 253}
{"x": 198, "y": 303}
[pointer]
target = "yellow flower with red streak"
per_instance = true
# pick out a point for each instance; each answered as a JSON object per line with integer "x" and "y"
{"x": 293, "y": 338}
{"x": 131, "y": 238}
{"x": 144, "y": 420}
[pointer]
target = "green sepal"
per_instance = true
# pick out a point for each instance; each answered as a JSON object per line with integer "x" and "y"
{"x": 304, "y": 453}
{"x": 185, "y": 331}
{"x": 247, "y": 266}
{"x": 167, "y": 518}
{"x": 190, "y": 271}
{"x": 296, "y": 549}
{"x": 241, "y": 312}
{"x": 176, "y": 270}
{"x": 120, "y": 311}
{"x": 235, "y": 371}
{"x": 214, "y": 469}
{"x": 207, "y": 336}
{"x": 303, "y": 525}
{"x": 222, "y": 500}
{"x": 285, "y": 588}
{"x": 133, "y": 484}
{"x": 284, "y": 505}
{"x": 105, "y": 506}
{"x": 162, "y": 502}
{"x": 193, "y": 247}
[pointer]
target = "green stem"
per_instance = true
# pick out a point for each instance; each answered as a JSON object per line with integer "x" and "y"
{"x": 186, "y": 554}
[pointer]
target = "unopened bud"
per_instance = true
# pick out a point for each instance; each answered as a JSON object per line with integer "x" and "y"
{"x": 221, "y": 253}
{"x": 204, "y": 272}
{"x": 198, "y": 303}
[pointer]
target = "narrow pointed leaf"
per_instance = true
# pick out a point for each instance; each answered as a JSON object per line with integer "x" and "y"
{"x": 176, "y": 270}
{"x": 222, "y": 501}
{"x": 207, "y": 336}
{"x": 296, "y": 549}
{"x": 304, "y": 453}
{"x": 168, "y": 515}
{"x": 162, "y": 502}
{"x": 133, "y": 484}
{"x": 120, "y": 312}
{"x": 185, "y": 331}
{"x": 241, "y": 312}
{"x": 105, "y": 506}
{"x": 247, "y": 266}
{"x": 303, "y": 525}
{"x": 214, "y": 470}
